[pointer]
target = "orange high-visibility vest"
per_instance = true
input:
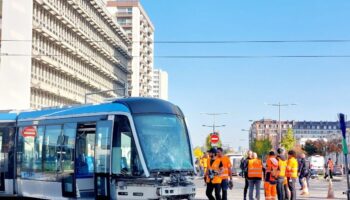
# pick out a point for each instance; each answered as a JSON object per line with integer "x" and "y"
{"x": 330, "y": 165}
{"x": 292, "y": 168}
{"x": 226, "y": 165}
{"x": 282, "y": 165}
{"x": 255, "y": 168}
{"x": 271, "y": 166}
{"x": 215, "y": 167}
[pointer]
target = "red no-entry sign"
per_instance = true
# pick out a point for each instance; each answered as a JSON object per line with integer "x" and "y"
{"x": 29, "y": 131}
{"x": 214, "y": 139}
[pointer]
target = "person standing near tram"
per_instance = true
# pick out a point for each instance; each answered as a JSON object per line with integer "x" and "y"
{"x": 226, "y": 173}
{"x": 213, "y": 177}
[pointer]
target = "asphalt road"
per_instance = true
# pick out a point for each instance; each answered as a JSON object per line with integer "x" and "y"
{"x": 318, "y": 189}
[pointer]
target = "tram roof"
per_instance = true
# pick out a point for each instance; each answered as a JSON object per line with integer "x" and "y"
{"x": 8, "y": 117}
{"x": 141, "y": 105}
{"x": 134, "y": 105}
{"x": 104, "y": 108}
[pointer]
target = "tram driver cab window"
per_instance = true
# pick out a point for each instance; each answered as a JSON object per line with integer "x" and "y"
{"x": 126, "y": 161}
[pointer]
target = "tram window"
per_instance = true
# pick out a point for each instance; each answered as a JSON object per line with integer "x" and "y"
{"x": 7, "y": 148}
{"x": 102, "y": 146}
{"x": 68, "y": 145}
{"x": 125, "y": 160}
{"x": 85, "y": 150}
{"x": 51, "y": 149}
{"x": 30, "y": 161}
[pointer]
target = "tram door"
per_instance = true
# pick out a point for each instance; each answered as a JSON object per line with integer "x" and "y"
{"x": 103, "y": 158}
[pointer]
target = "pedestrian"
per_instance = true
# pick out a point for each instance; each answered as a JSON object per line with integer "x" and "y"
{"x": 255, "y": 172}
{"x": 213, "y": 177}
{"x": 281, "y": 173}
{"x": 225, "y": 174}
{"x": 329, "y": 169}
{"x": 244, "y": 168}
{"x": 303, "y": 170}
{"x": 270, "y": 176}
{"x": 292, "y": 173}
{"x": 203, "y": 163}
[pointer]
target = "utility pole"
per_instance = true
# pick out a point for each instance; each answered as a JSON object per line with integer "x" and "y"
{"x": 279, "y": 105}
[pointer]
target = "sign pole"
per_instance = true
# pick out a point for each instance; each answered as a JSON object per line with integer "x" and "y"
{"x": 345, "y": 151}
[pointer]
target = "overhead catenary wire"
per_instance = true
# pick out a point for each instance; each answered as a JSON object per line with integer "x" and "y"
{"x": 202, "y": 41}
{"x": 199, "y": 56}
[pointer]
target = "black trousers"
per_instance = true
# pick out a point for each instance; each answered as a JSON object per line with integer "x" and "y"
{"x": 224, "y": 188}
{"x": 246, "y": 185}
{"x": 209, "y": 192}
{"x": 330, "y": 173}
{"x": 291, "y": 186}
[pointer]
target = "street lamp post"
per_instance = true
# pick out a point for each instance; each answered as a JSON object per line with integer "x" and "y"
{"x": 250, "y": 138}
{"x": 214, "y": 117}
{"x": 279, "y": 105}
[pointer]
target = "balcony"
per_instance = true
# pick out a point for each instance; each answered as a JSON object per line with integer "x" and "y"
{"x": 124, "y": 14}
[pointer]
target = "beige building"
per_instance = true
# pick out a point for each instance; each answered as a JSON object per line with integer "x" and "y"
{"x": 56, "y": 51}
{"x": 269, "y": 129}
{"x": 136, "y": 23}
{"x": 160, "y": 84}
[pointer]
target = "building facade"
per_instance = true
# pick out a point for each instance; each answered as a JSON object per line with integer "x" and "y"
{"x": 136, "y": 23}
{"x": 269, "y": 129}
{"x": 54, "y": 52}
{"x": 160, "y": 84}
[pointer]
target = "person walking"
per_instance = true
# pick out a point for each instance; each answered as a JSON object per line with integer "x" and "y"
{"x": 255, "y": 172}
{"x": 204, "y": 163}
{"x": 213, "y": 177}
{"x": 226, "y": 173}
{"x": 292, "y": 173}
{"x": 270, "y": 176}
{"x": 303, "y": 170}
{"x": 281, "y": 173}
{"x": 329, "y": 169}
{"x": 244, "y": 168}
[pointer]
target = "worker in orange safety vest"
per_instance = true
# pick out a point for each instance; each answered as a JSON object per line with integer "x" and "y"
{"x": 225, "y": 174}
{"x": 255, "y": 173}
{"x": 213, "y": 176}
{"x": 270, "y": 176}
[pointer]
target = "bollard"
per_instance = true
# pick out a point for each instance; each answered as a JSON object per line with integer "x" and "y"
{"x": 330, "y": 194}
{"x": 305, "y": 190}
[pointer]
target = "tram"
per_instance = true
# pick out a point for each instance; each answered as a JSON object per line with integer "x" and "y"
{"x": 130, "y": 148}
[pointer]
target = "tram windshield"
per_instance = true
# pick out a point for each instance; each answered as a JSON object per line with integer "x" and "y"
{"x": 164, "y": 141}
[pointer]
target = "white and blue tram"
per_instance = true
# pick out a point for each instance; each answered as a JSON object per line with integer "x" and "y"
{"x": 132, "y": 148}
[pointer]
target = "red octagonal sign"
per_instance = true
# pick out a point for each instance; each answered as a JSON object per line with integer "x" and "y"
{"x": 214, "y": 138}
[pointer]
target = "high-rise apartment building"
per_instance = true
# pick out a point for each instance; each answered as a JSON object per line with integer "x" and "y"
{"x": 136, "y": 23}
{"x": 53, "y": 52}
{"x": 160, "y": 84}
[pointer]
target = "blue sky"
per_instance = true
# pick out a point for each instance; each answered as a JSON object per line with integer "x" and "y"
{"x": 241, "y": 87}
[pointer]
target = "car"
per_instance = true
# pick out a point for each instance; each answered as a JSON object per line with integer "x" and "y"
{"x": 338, "y": 170}
{"x": 236, "y": 162}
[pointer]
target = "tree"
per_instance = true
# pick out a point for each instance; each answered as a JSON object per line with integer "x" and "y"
{"x": 261, "y": 147}
{"x": 288, "y": 141}
{"x": 317, "y": 147}
{"x": 208, "y": 141}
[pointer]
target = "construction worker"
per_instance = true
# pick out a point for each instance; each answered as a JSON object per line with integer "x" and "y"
{"x": 213, "y": 177}
{"x": 225, "y": 174}
{"x": 204, "y": 163}
{"x": 292, "y": 173}
{"x": 255, "y": 172}
{"x": 244, "y": 168}
{"x": 281, "y": 173}
{"x": 329, "y": 169}
{"x": 270, "y": 176}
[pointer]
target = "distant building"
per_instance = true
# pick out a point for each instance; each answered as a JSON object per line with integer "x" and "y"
{"x": 303, "y": 130}
{"x": 136, "y": 23}
{"x": 160, "y": 84}
{"x": 269, "y": 129}
{"x": 54, "y": 52}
